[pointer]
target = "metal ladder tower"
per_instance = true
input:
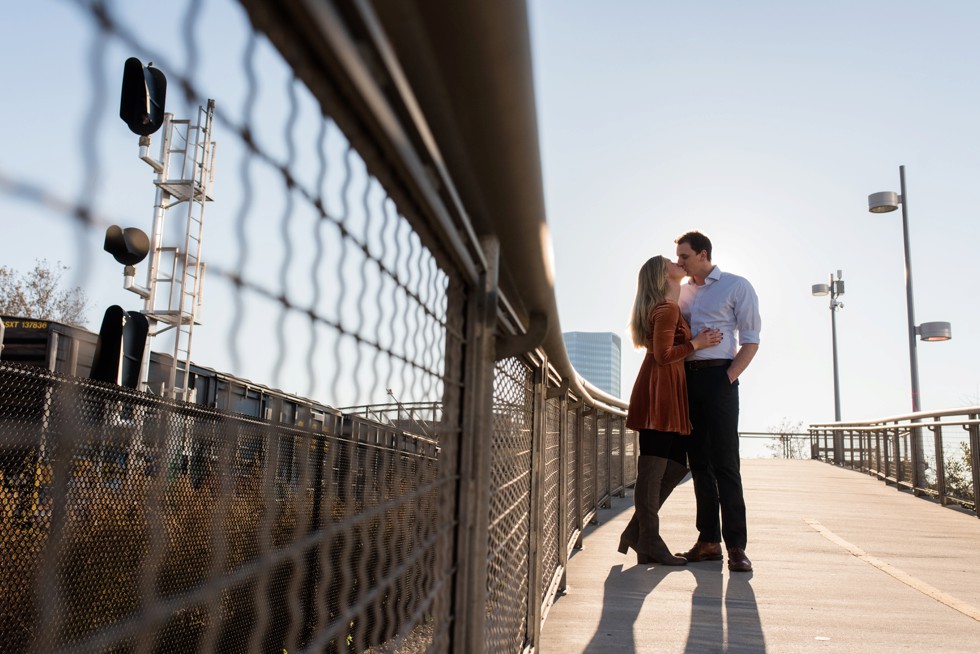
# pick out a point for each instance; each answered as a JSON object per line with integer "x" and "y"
{"x": 173, "y": 294}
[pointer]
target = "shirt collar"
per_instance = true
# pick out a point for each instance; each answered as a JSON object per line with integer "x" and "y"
{"x": 712, "y": 277}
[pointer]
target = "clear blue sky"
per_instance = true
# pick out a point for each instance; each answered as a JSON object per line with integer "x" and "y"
{"x": 764, "y": 124}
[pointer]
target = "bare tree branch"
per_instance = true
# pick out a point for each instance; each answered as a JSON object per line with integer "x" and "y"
{"x": 38, "y": 294}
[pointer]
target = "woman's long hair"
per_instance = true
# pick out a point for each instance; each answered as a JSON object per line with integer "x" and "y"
{"x": 651, "y": 289}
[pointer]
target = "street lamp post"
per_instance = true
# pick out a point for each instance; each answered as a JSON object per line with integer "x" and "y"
{"x": 885, "y": 202}
{"x": 835, "y": 289}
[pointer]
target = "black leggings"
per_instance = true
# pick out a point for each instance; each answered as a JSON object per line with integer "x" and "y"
{"x": 665, "y": 444}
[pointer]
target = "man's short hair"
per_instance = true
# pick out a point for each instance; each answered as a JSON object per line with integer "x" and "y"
{"x": 697, "y": 241}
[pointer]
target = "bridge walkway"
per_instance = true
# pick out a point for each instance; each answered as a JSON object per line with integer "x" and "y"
{"x": 843, "y": 563}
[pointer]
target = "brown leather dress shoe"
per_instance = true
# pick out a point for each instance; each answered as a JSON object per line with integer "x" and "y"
{"x": 737, "y": 561}
{"x": 702, "y": 551}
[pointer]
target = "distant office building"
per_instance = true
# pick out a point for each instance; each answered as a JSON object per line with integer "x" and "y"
{"x": 597, "y": 356}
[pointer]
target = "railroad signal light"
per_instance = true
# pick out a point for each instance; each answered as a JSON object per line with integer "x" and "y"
{"x": 127, "y": 246}
{"x": 119, "y": 349}
{"x": 144, "y": 95}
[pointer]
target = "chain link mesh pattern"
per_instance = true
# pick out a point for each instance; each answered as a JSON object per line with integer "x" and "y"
{"x": 589, "y": 471}
{"x": 550, "y": 535}
{"x": 631, "y": 449}
{"x": 317, "y": 518}
{"x": 616, "y": 450}
{"x": 572, "y": 438}
{"x": 130, "y": 520}
{"x": 510, "y": 506}
{"x": 134, "y": 523}
{"x": 602, "y": 460}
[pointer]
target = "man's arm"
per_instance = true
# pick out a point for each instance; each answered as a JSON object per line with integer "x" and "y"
{"x": 742, "y": 360}
{"x": 749, "y": 324}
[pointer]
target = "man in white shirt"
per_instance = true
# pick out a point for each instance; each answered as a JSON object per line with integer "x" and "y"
{"x": 715, "y": 299}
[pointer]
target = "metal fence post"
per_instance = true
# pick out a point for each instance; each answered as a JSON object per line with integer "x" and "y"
{"x": 563, "y": 517}
{"x": 473, "y": 524}
{"x": 975, "y": 463}
{"x": 621, "y": 421}
{"x": 915, "y": 448}
{"x": 588, "y": 411}
{"x": 538, "y": 442}
{"x": 579, "y": 472}
{"x": 937, "y": 435}
{"x": 609, "y": 459}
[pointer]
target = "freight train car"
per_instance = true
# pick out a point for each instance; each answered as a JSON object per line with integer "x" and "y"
{"x": 69, "y": 350}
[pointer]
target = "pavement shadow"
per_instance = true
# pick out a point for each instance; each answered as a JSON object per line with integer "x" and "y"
{"x": 707, "y": 630}
{"x": 737, "y": 628}
{"x": 624, "y": 593}
{"x": 742, "y": 616}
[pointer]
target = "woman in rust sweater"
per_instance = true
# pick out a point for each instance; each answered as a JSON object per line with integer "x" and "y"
{"x": 658, "y": 404}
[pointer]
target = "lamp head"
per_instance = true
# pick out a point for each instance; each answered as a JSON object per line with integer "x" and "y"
{"x": 819, "y": 290}
{"x": 935, "y": 331}
{"x": 883, "y": 202}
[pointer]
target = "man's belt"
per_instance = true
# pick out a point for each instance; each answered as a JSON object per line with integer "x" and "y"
{"x": 698, "y": 364}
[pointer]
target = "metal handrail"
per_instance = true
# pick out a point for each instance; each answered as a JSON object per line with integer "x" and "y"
{"x": 906, "y": 416}
{"x": 894, "y": 449}
{"x": 930, "y": 425}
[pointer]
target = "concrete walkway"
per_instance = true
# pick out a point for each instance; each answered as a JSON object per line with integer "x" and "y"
{"x": 843, "y": 563}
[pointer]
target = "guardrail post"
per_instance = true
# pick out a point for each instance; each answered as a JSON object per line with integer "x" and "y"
{"x": 897, "y": 455}
{"x": 937, "y": 439}
{"x": 609, "y": 459}
{"x": 563, "y": 517}
{"x": 975, "y": 463}
{"x": 915, "y": 447}
{"x": 473, "y": 524}
{"x": 621, "y": 423}
{"x": 579, "y": 472}
{"x": 538, "y": 442}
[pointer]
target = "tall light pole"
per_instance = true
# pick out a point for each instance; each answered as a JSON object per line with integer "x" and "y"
{"x": 835, "y": 288}
{"x": 885, "y": 202}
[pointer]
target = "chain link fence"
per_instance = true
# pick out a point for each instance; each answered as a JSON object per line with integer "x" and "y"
{"x": 311, "y": 494}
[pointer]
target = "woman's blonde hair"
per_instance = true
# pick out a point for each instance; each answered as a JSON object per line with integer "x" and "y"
{"x": 651, "y": 289}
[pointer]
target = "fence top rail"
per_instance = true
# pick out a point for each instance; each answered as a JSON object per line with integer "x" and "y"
{"x": 908, "y": 425}
{"x": 960, "y": 411}
{"x": 772, "y": 434}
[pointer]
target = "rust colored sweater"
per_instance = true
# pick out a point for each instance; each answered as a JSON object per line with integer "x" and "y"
{"x": 659, "y": 398}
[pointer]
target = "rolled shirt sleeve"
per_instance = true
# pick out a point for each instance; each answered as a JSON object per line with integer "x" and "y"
{"x": 748, "y": 321}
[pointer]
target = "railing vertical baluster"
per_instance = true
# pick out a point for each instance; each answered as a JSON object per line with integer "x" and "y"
{"x": 621, "y": 422}
{"x": 975, "y": 462}
{"x": 580, "y": 471}
{"x": 915, "y": 445}
{"x": 608, "y": 432}
{"x": 473, "y": 524}
{"x": 538, "y": 443}
{"x": 937, "y": 433}
{"x": 563, "y": 517}
{"x": 899, "y": 457}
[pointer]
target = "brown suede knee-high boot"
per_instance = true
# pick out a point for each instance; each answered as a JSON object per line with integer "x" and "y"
{"x": 652, "y": 469}
{"x": 631, "y": 534}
